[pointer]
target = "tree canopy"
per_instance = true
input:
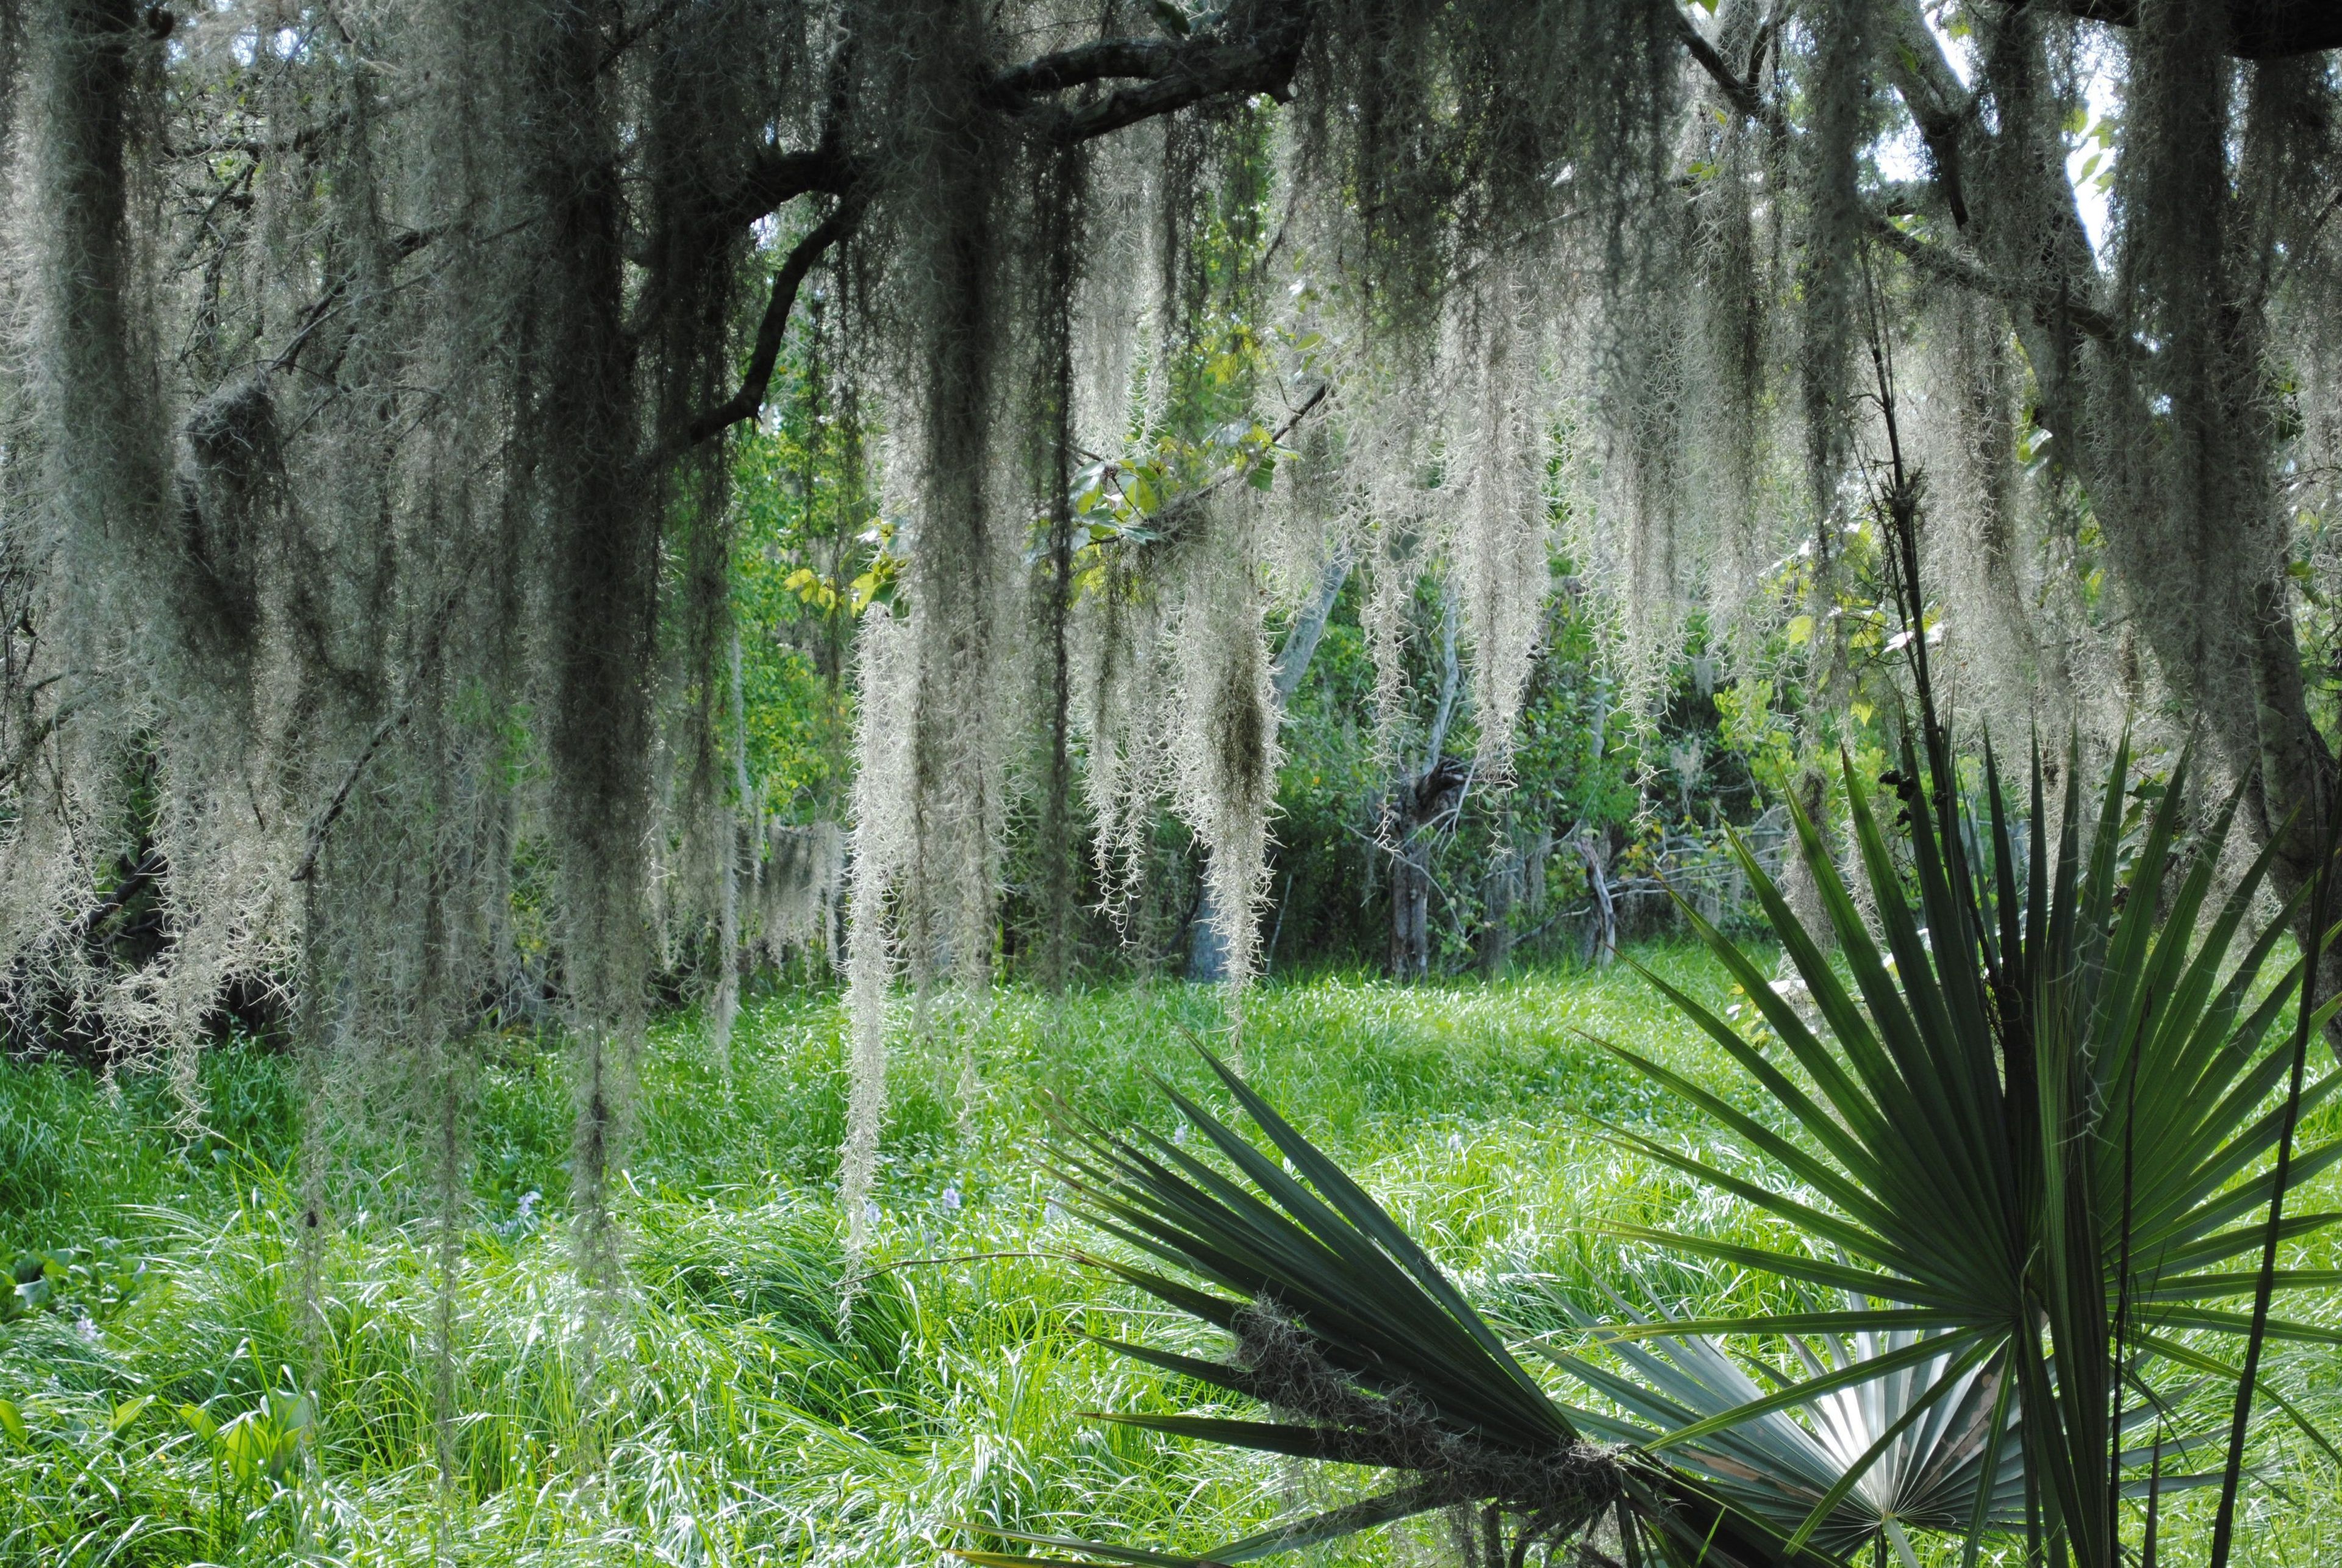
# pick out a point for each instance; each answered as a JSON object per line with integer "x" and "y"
{"x": 367, "y": 519}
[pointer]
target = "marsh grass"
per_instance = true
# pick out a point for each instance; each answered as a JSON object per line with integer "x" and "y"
{"x": 746, "y": 1424}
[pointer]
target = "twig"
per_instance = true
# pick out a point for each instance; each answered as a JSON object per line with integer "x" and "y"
{"x": 381, "y": 732}
{"x": 749, "y": 401}
{"x": 38, "y": 734}
{"x": 1176, "y": 512}
{"x": 149, "y": 865}
{"x": 333, "y": 812}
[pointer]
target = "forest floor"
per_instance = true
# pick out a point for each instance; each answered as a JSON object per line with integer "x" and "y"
{"x": 150, "y": 1412}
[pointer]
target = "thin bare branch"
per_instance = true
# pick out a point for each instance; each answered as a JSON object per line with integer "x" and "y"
{"x": 749, "y": 401}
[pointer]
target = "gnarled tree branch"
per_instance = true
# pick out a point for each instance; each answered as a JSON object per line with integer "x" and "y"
{"x": 1256, "y": 52}
{"x": 749, "y": 401}
{"x": 1742, "y": 96}
{"x": 1256, "y": 55}
{"x": 1148, "y": 58}
{"x": 777, "y": 178}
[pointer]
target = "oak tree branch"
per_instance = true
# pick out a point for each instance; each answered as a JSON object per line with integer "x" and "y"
{"x": 749, "y": 401}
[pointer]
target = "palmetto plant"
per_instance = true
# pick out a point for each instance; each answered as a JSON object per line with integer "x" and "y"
{"x": 2037, "y": 1143}
{"x": 1366, "y": 1354}
{"x": 2040, "y": 1136}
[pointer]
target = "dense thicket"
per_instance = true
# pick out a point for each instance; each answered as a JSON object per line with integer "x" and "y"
{"x": 365, "y": 530}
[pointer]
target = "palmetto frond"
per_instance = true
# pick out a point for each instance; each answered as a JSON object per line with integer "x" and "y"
{"x": 1779, "y": 1464}
{"x": 1365, "y": 1353}
{"x": 2033, "y": 1139}
{"x": 2024, "y": 1147}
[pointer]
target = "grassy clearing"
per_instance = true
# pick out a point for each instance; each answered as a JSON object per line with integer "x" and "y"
{"x": 724, "y": 1415}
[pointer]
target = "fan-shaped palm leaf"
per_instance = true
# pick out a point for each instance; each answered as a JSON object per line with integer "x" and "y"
{"x": 1777, "y": 1465}
{"x": 2033, "y": 1138}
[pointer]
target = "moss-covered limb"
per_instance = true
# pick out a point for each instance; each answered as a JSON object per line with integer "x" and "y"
{"x": 2034, "y": 294}
{"x": 755, "y": 382}
{"x": 1256, "y": 51}
{"x": 102, "y": 419}
{"x": 2249, "y": 29}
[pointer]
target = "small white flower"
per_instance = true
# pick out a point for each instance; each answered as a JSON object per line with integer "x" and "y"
{"x": 951, "y": 1198}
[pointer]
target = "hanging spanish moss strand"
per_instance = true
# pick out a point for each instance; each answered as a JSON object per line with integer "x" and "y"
{"x": 604, "y": 577}
{"x": 1838, "y": 78}
{"x": 1502, "y": 547}
{"x": 111, "y": 586}
{"x": 1396, "y": 567}
{"x": 1735, "y": 241}
{"x": 742, "y": 830}
{"x": 1058, "y": 200}
{"x": 1227, "y": 750}
{"x": 884, "y": 833}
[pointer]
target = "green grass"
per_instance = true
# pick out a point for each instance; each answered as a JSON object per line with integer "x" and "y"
{"x": 722, "y": 1414}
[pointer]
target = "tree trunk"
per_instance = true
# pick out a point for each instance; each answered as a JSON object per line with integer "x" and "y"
{"x": 1207, "y": 951}
{"x": 1602, "y": 932}
{"x": 1500, "y": 890}
{"x": 1411, "y": 909}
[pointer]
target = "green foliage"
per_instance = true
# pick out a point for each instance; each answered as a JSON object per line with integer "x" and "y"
{"x": 810, "y": 554}
{"x": 740, "y": 1424}
{"x": 1574, "y": 756}
{"x": 71, "y": 1156}
{"x": 1575, "y": 764}
{"x": 736, "y": 1423}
